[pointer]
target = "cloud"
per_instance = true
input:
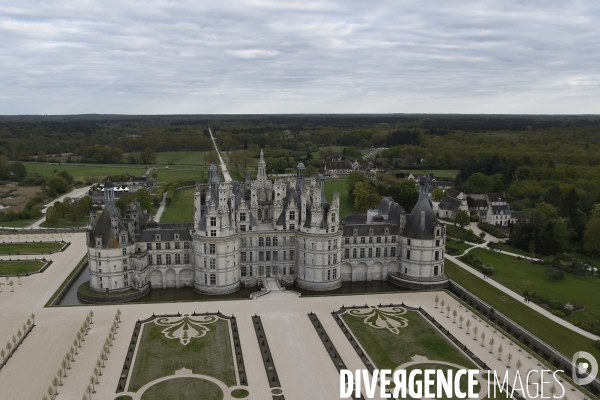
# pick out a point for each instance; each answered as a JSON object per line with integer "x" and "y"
{"x": 262, "y": 56}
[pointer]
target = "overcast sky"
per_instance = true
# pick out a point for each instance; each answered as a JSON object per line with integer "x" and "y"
{"x": 261, "y": 56}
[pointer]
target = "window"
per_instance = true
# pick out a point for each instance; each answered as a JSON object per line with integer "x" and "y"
{"x": 261, "y": 256}
{"x": 378, "y": 252}
{"x": 292, "y": 240}
{"x": 335, "y": 244}
{"x": 408, "y": 242}
{"x": 408, "y": 254}
{"x": 275, "y": 256}
{"x": 362, "y": 240}
{"x": 177, "y": 245}
{"x": 385, "y": 239}
{"x": 168, "y": 259}
{"x": 267, "y": 256}
{"x": 393, "y": 252}
{"x": 213, "y": 279}
{"x": 346, "y": 253}
{"x": 354, "y": 252}
{"x": 335, "y": 258}
{"x": 186, "y": 258}
{"x": 242, "y": 228}
{"x": 347, "y": 240}
{"x": 213, "y": 233}
{"x": 292, "y": 227}
{"x": 186, "y": 245}
{"x": 204, "y": 262}
{"x": 123, "y": 239}
{"x": 250, "y": 254}
{"x": 292, "y": 255}
{"x": 385, "y": 251}
{"x": 212, "y": 248}
{"x": 268, "y": 241}
{"x": 292, "y": 271}
{"x": 328, "y": 274}
{"x": 437, "y": 255}
{"x": 124, "y": 252}
{"x": 243, "y": 256}
{"x": 213, "y": 221}
{"x": 213, "y": 263}
{"x": 158, "y": 246}
{"x": 437, "y": 243}
{"x": 243, "y": 270}
{"x": 177, "y": 258}
{"x": 292, "y": 215}
{"x": 334, "y": 273}
{"x": 243, "y": 219}
{"x": 393, "y": 239}
{"x": 250, "y": 271}
{"x": 275, "y": 241}
{"x": 168, "y": 246}
{"x": 148, "y": 246}
{"x": 261, "y": 241}
{"x": 435, "y": 270}
{"x": 284, "y": 255}
{"x": 370, "y": 239}
{"x": 329, "y": 259}
{"x": 378, "y": 239}
{"x": 362, "y": 252}
{"x": 158, "y": 259}
{"x": 332, "y": 217}
{"x": 149, "y": 261}
{"x": 354, "y": 240}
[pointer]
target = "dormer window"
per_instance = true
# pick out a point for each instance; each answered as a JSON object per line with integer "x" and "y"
{"x": 387, "y": 231}
{"x": 213, "y": 221}
{"x": 177, "y": 236}
{"x": 370, "y": 231}
{"x": 157, "y": 237}
{"x": 355, "y": 232}
{"x": 243, "y": 217}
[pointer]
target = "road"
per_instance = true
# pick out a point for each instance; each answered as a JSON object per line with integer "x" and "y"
{"x": 226, "y": 175}
{"x": 161, "y": 209}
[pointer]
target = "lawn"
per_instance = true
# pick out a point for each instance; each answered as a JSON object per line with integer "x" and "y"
{"x": 20, "y": 223}
{"x": 438, "y": 173}
{"x": 563, "y": 339}
{"x": 20, "y": 267}
{"x": 505, "y": 247}
{"x": 180, "y": 157}
{"x": 178, "y": 174}
{"x": 388, "y": 350}
{"x": 82, "y": 171}
{"x": 67, "y": 223}
{"x": 181, "y": 208}
{"x": 519, "y": 276}
{"x": 341, "y": 186}
{"x": 184, "y": 389}
{"x": 30, "y": 248}
{"x": 158, "y": 356}
{"x": 460, "y": 247}
{"x": 462, "y": 234}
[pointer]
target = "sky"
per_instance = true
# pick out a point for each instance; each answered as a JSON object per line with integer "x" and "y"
{"x": 271, "y": 57}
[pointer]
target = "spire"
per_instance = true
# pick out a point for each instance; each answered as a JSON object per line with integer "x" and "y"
{"x": 262, "y": 167}
{"x": 109, "y": 194}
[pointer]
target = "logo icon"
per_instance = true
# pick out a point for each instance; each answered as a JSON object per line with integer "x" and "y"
{"x": 587, "y": 369}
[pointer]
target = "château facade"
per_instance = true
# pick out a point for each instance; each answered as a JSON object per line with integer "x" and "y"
{"x": 284, "y": 229}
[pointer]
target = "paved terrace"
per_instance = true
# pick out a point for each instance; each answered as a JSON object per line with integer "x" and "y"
{"x": 304, "y": 367}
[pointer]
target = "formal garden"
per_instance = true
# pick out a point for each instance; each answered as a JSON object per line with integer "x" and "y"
{"x": 185, "y": 357}
{"x": 20, "y": 267}
{"x": 30, "y": 248}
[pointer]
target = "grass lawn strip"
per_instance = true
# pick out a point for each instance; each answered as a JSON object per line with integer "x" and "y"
{"x": 158, "y": 356}
{"x": 30, "y": 248}
{"x": 561, "y": 338}
{"x": 184, "y": 389}
{"x": 62, "y": 285}
{"x": 519, "y": 275}
{"x": 341, "y": 186}
{"x": 181, "y": 208}
{"x": 66, "y": 223}
{"x": 20, "y": 267}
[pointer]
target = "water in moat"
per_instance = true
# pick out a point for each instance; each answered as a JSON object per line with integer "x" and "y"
{"x": 188, "y": 294}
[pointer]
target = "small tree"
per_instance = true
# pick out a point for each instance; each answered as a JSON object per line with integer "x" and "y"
{"x": 88, "y": 390}
{"x": 509, "y": 358}
{"x": 468, "y": 324}
{"x": 60, "y": 375}
{"x": 107, "y": 345}
{"x": 500, "y": 350}
{"x": 92, "y": 382}
{"x": 19, "y": 334}
{"x": 461, "y": 319}
{"x": 33, "y": 318}
{"x": 443, "y": 303}
{"x": 462, "y": 218}
{"x": 55, "y": 383}
{"x": 67, "y": 359}
{"x": 12, "y": 286}
{"x": 91, "y": 317}
{"x": 50, "y": 391}
{"x": 8, "y": 347}
{"x": 71, "y": 353}
{"x": 14, "y": 340}
{"x": 552, "y": 391}
{"x": 96, "y": 373}
{"x": 519, "y": 364}
{"x": 447, "y": 311}
{"x": 491, "y": 343}
{"x": 454, "y": 314}
{"x": 482, "y": 338}
{"x": 475, "y": 330}
{"x": 437, "y": 299}
{"x": 81, "y": 333}
{"x": 78, "y": 340}
{"x": 2, "y": 354}
{"x": 98, "y": 366}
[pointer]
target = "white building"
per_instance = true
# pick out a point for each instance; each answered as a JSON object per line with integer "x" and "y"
{"x": 258, "y": 229}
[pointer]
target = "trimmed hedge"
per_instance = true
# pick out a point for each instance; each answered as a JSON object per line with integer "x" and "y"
{"x": 492, "y": 230}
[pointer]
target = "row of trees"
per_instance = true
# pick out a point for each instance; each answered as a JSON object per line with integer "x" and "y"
{"x": 15, "y": 342}
{"x": 366, "y": 194}
{"x": 68, "y": 208}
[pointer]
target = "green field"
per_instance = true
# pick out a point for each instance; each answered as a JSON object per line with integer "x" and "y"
{"x": 557, "y": 336}
{"x": 184, "y": 389}
{"x": 184, "y": 158}
{"x": 20, "y": 223}
{"x": 82, "y": 171}
{"x": 339, "y": 185}
{"x": 181, "y": 208}
{"x": 67, "y": 223}
{"x": 20, "y": 267}
{"x": 30, "y": 248}
{"x": 519, "y": 276}
{"x": 158, "y": 356}
{"x": 462, "y": 234}
{"x": 438, "y": 173}
{"x": 505, "y": 247}
{"x": 174, "y": 174}
{"x": 460, "y": 247}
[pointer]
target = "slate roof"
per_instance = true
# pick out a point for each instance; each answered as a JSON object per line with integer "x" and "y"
{"x": 104, "y": 229}
{"x": 449, "y": 203}
{"x": 166, "y": 235}
{"x": 498, "y": 209}
{"x": 453, "y": 193}
{"x": 496, "y": 197}
{"x": 414, "y": 229}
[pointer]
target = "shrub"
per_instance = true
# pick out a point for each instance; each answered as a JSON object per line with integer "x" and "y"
{"x": 474, "y": 217}
{"x": 558, "y": 313}
{"x": 492, "y": 230}
{"x": 487, "y": 269}
{"x": 554, "y": 274}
